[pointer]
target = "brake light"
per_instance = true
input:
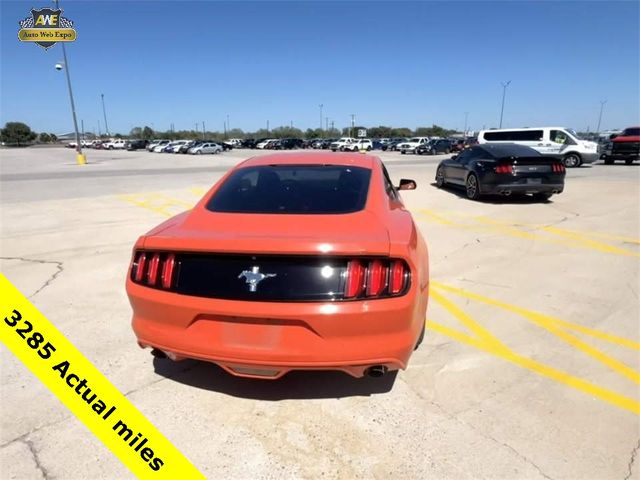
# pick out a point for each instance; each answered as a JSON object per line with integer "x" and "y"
{"x": 397, "y": 277}
{"x": 152, "y": 274}
{"x": 154, "y": 269}
{"x": 375, "y": 278}
{"x": 167, "y": 270}
{"x": 355, "y": 279}
{"x": 558, "y": 168}
{"x": 504, "y": 168}
{"x": 139, "y": 266}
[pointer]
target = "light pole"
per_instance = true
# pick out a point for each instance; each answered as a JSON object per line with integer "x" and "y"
{"x": 504, "y": 93}
{"x": 321, "y": 105}
{"x": 466, "y": 116}
{"x": 81, "y": 159}
{"x": 203, "y": 129}
{"x": 353, "y": 124}
{"x": 228, "y": 125}
{"x": 602, "y": 102}
{"x": 104, "y": 112}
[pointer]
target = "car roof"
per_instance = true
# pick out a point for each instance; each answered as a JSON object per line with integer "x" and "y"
{"x": 508, "y": 150}
{"x": 312, "y": 158}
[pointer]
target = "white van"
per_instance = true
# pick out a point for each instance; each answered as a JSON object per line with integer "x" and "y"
{"x": 559, "y": 142}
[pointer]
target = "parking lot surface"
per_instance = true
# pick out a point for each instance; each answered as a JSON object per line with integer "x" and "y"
{"x": 530, "y": 367}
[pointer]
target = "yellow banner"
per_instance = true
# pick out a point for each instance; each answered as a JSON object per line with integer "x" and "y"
{"x": 86, "y": 392}
{"x": 47, "y": 35}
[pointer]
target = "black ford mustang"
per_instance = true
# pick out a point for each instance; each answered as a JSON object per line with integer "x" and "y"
{"x": 503, "y": 169}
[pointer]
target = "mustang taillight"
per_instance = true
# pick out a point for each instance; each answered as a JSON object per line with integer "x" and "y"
{"x": 155, "y": 269}
{"x": 504, "y": 168}
{"x": 376, "y": 278}
{"x": 558, "y": 168}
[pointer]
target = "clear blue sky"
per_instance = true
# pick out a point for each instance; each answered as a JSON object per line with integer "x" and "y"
{"x": 391, "y": 63}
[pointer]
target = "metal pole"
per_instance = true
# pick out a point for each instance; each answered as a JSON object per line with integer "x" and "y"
{"x": 602, "y": 102}
{"x": 321, "y": 105}
{"x": 228, "y": 124}
{"x": 104, "y": 112}
{"x": 99, "y": 129}
{"x": 267, "y": 126}
{"x": 80, "y": 158}
{"x": 82, "y": 123}
{"x": 353, "y": 124}
{"x": 504, "y": 93}
{"x": 203, "y": 130}
{"x": 326, "y": 123}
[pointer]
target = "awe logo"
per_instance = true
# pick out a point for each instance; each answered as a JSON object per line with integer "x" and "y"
{"x": 46, "y": 27}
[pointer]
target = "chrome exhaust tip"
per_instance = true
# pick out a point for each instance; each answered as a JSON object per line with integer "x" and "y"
{"x": 376, "y": 371}
{"x": 158, "y": 353}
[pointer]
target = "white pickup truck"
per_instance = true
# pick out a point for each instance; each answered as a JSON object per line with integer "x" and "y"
{"x": 342, "y": 143}
{"x": 115, "y": 144}
{"x": 411, "y": 144}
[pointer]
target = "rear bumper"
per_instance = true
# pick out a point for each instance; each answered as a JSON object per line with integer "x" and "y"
{"x": 503, "y": 188}
{"x": 269, "y": 339}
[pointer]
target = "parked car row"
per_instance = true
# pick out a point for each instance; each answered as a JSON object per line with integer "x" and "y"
{"x": 194, "y": 147}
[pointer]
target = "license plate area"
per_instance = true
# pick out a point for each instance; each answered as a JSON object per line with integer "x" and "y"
{"x": 534, "y": 181}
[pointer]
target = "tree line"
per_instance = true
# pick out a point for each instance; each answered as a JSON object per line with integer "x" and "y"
{"x": 20, "y": 134}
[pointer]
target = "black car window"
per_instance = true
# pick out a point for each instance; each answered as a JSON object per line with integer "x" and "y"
{"x": 514, "y": 136}
{"x": 293, "y": 189}
{"x": 463, "y": 158}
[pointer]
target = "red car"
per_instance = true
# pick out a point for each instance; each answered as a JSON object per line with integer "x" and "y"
{"x": 302, "y": 261}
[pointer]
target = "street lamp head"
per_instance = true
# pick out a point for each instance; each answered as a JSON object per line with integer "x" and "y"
{"x": 59, "y": 66}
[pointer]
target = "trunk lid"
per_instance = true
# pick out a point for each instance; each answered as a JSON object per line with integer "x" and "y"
{"x": 359, "y": 233}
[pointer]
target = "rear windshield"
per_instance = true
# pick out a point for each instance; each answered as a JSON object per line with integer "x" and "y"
{"x": 294, "y": 189}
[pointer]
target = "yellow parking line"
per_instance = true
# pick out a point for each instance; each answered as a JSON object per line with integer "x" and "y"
{"x": 198, "y": 191}
{"x": 481, "y": 332}
{"x": 501, "y": 351}
{"x": 552, "y": 325}
{"x": 589, "y": 243}
{"x": 556, "y": 236}
{"x": 157, "y": 202}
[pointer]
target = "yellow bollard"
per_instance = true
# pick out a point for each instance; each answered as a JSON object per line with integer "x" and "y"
{"x": 81, "y": 159}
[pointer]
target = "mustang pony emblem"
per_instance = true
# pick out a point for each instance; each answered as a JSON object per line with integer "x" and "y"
{"x": 253, "y": 277}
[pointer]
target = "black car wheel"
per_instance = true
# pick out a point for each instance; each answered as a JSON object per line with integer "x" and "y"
{"x": 447, "y": 151}
{"x": 440, "y": 177}
{"x": 572, "y": 160}
{"x": 541, "y": 197}
{"x": 608, "y": 161}
{"x": 420, "y": 338}
{"x": 472, "y": 187}
{"x": 628, "y": 162}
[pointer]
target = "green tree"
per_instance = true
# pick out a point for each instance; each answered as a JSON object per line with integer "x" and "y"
{"x": 53, "y": 137}
{"x": 147, "y": 133}
{"x": 379, "y": 132}
{"x": 136, "y": 132}
{"x": 401, "y": 132}
{"x": 17, "y": 133}
{"x": 44, "y": 138}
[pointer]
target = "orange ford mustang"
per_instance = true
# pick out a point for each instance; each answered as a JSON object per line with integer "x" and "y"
{"x": 290, "y": 262}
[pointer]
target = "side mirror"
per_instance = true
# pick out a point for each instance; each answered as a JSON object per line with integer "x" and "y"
{"x": 406, "y": 184}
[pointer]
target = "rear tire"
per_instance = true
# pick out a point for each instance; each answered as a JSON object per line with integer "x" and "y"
{"x": 572, "y": 160}
{"x": 472, "y": 187}
{"x": 541, "y": 197}
{"x": 628, "y": 162}
{"x": 420, "y": 338}
{"x": 440, "y": 177}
